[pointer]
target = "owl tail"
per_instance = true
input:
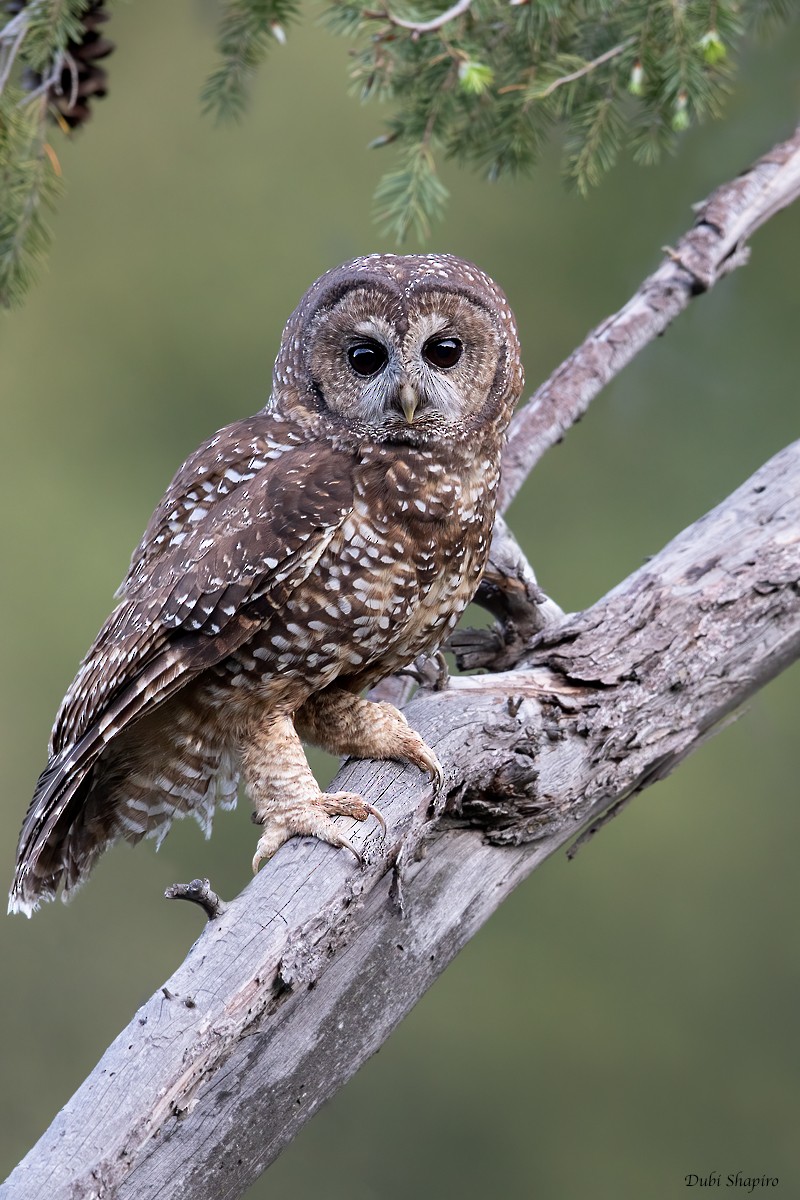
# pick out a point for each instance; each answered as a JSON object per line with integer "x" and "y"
{"x": 42, "y": 864}
{"x": 98, "y": 792}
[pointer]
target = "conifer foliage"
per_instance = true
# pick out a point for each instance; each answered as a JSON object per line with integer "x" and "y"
{"x": 49, "y": 72}
{"x": 481, "y": 82}
{"x": 486, "y": 82}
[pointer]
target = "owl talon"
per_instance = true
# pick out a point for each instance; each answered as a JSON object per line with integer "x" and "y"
{"x": 424, "y": 758}
{"x": 437, "y": 777}
{"x": 378, "y": 815}
{"x": 314, "y": 819}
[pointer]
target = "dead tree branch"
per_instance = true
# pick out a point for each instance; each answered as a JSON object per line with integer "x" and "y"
{"x": 714, "y": 246}
{"x": 301, "y": 977}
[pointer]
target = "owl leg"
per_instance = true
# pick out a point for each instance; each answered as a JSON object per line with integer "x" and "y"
{"x": 342, "y": 722}
{"x": 286, "y": 797}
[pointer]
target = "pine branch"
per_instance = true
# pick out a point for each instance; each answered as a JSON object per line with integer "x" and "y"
{"x": 629, "y": 74}
{"x": 249, "y": 28}
{"x": 482, "y": 82}
{"x": 30, "y": 183}
{"x": 411, "y": 196}
{"x": 49, "y": 54}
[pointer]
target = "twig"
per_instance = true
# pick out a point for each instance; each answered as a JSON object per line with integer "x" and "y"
{"x": 422, "y": 26}
{"x": 587, "y": 69}
{"x": 49, "y": 81}
{"x": 14, "y": 50}
{"x": 199, "y": 891}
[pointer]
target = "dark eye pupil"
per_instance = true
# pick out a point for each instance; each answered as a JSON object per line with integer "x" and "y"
{"x": 367, "y": 358}
{"x": 442, "y": 352}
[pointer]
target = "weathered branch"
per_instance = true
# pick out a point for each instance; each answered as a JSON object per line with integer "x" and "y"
{"x": 713, "y": 247}
{"x": 303, "y": 975}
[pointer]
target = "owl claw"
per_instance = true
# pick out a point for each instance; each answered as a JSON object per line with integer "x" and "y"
{"x": 426, "y": 760}
{"x": 314, "y": 819}
{"x": 414, "y": 750}
{"x": 378, "y": 815}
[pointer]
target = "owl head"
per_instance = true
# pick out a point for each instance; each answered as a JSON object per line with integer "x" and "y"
{"x": 402, "y": 348}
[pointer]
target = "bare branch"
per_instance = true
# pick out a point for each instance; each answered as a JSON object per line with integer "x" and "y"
{"x": 199, "y": 891}
{"x": 422, "y": 26}
{"x": 704, "y": 255}
{"x": 586, "y": 69}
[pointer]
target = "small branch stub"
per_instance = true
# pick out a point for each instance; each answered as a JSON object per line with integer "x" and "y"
{"x": 199, "y": 891}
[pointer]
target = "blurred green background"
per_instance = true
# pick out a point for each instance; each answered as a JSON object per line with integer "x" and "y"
{"x": 626, "y": 1019}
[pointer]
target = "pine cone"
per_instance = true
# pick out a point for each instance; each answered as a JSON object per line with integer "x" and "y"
{"x": 81, "y": 79}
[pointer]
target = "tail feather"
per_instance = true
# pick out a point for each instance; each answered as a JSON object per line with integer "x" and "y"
{"x": 40, "y": 867}
{"x": 60, "y": 839}
{"x": 106, "y": 789}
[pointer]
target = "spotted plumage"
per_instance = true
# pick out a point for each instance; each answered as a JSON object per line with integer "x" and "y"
{"x": 297, "y": 557}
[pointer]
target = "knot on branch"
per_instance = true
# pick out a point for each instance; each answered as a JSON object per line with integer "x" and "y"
{"x": 503, "y": 798}
{"x": 509, "y": 809}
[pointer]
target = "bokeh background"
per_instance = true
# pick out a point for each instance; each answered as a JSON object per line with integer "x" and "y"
{"x": 625, "y": 1019}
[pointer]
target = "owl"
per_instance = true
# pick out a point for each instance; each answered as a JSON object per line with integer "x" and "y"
{"x": 298, "y": 557}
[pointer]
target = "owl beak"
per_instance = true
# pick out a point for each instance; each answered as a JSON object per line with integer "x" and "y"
{"x": 409, "y": 402}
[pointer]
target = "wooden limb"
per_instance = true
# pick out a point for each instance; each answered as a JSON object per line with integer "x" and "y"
{"x": 713, "y": 246}
{"x": 303, "y": 976}
{"x": 711, "y": 249}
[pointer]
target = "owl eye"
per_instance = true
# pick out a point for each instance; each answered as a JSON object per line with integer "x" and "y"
{"x": 442, "y": 352}
{"x": 367, "y": 358}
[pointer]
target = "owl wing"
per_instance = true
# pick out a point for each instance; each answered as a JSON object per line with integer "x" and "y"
{"x": 241, "y": 525}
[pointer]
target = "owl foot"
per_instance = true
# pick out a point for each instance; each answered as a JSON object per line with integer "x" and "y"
{"x": 346, "y": 724}
{"x": 313, "y": 818}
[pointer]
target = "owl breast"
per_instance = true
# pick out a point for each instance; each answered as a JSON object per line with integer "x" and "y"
{"x": 390, "y": 585}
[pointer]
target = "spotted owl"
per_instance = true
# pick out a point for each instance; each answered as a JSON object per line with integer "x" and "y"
{"x": 297, "y": 558}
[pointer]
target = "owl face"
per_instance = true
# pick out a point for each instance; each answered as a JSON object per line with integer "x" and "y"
{"x": 406, "y": 348}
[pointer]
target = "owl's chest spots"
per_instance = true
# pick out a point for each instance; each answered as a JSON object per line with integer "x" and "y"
{"x": 391, "y": 584}
{"x": 409, "y": 557}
